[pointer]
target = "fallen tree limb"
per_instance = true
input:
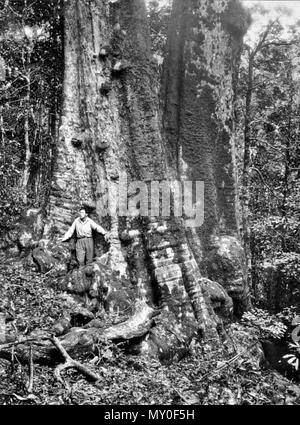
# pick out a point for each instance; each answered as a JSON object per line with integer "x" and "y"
{"x": 70, "y": 363}
{"x": 24, "y": 341}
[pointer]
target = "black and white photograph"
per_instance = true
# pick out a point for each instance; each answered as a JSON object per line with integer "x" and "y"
{"x": 149, "y": 206}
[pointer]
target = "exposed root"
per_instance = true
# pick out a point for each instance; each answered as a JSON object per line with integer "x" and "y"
{"x": 136, "y": 326}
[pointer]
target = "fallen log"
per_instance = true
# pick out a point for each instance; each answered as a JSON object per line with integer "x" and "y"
{"x": 81, "y": 340}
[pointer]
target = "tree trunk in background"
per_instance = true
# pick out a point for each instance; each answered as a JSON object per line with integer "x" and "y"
{"x": 111, "y": 124}
{"x": 26, "y": 172}
{"x": 246, "y": 178}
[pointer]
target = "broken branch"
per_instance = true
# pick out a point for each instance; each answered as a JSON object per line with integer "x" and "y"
{"x": 70, "y": 363}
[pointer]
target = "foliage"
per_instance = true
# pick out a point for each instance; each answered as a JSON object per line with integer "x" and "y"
{"x": 293, "y": 359}
{"x": 31, "y": 46}
{"x": 278, "y": 327}
{"x": 11, "y": 204}
{"x": 269, "y": 74}
{"x": 268, "y": 325}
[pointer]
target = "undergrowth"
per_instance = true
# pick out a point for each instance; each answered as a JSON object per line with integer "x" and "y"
{"x": 125, "y": 379}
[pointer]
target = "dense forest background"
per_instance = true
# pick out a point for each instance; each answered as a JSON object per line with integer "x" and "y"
{"x": 266, "y": 133}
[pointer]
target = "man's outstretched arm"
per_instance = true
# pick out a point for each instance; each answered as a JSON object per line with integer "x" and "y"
{"x": 98, "y": 228}
{"x": 69, "y": 233}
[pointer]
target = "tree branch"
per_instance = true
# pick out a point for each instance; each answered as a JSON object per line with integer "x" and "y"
{"x": 278, "y": 43}
{"x": 70, "y": 363}
{"x": 262, "y": 39}
{"x": 263, "y": 181}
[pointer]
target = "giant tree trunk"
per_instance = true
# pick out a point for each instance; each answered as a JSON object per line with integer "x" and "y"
{"x": 111, "y": 125}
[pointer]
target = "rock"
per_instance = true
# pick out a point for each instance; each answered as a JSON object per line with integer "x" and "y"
{"x": 222, "y": 303}
{"x": 44, "y": 261}
{"x": 226, "y": 264}
{"x": 50, "y": 255}
{"x": 77, "y": 282}
{"x": 100, "y": 285}
{"x": 62, "y": 326}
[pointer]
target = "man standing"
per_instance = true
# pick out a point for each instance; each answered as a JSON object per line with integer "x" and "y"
{"x": 83, "y": 226}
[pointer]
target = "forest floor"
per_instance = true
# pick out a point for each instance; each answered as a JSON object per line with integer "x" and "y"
{"x": 125, "y": 379}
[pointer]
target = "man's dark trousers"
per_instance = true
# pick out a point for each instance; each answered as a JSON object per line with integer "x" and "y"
{"x": 85, "y": 248}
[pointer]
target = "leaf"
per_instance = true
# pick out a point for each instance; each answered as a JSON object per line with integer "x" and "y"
{"x": 287, "y": 356}
{"x": 294, "y": 345}
{"x": 292, "y": 361}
